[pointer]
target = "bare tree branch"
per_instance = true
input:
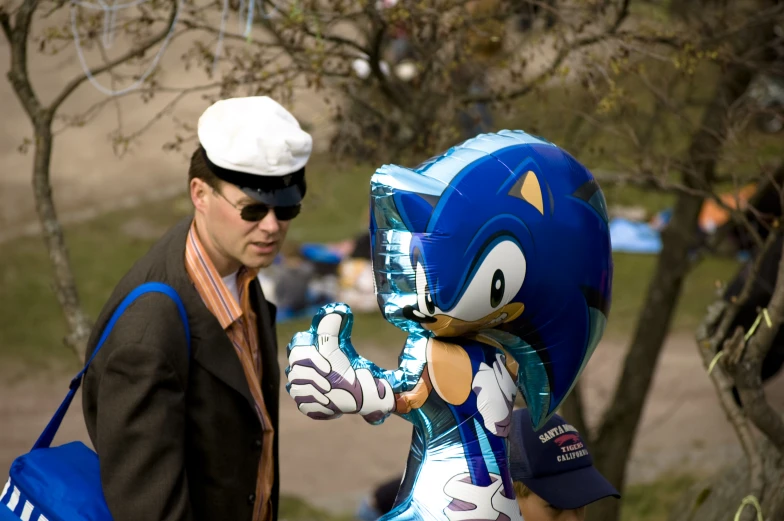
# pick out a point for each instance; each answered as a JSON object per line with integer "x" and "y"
{"x": 555, "y": 65}
{"x": 168, "y": 109}
{"x": 724, "y": 385}
{"x": 649, "y": 181}
{"x": 133, "y": 53}
{"x": 758, "y": 18}
{"x": 333, "y": 39}
{"x": 58, "y": 5}
{"x": 226, "y": 35}
{"x": 713, "y": 332}
{"x": 746, "y": 367}
{"x": 673, "y": 42}
{"x": 665, "y": 98}
{"x": 5, "y": 23}
{"x": 18, "y": 75}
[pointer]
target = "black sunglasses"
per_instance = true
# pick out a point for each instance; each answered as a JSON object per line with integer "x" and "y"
{"x": 256, "y": 212}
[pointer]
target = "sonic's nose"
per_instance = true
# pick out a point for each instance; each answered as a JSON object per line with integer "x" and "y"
{"x": 412, "y": 313}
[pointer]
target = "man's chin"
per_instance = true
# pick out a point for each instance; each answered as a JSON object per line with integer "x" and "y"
{"x": 257, "y": 262}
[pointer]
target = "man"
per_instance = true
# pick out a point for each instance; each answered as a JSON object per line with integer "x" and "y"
{"x": 552, "y": 472}
{"x": 182, "y": 438}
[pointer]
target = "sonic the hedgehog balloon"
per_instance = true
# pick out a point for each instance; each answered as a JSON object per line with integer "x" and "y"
{"x": 495, "y": 258}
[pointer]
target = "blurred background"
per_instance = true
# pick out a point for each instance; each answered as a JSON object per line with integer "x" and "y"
{"x": 676, "y": 106}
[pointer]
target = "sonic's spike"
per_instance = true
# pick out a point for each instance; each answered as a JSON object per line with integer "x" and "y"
{"x": 414, "y": 209}
{"x": 590, "y": 193}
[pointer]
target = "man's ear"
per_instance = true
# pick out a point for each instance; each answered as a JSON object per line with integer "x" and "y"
{"x": 199, "y": 193}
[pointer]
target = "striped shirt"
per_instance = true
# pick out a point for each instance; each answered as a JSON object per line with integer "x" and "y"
{"x": 239, "y": 321}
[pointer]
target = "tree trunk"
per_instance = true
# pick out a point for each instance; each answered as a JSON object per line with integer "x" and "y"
{"x": 719, "y": 497}
{"x": 41, "y": 117}
{"x": 64, "y": 282}
{"x": 612, "y": 447}
{"x": 573, "y": 412}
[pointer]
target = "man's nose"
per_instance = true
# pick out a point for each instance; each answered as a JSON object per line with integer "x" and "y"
{"x": 270, "y": 223}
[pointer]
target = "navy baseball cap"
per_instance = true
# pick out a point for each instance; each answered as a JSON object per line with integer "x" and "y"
{"x": 554, "y": 463}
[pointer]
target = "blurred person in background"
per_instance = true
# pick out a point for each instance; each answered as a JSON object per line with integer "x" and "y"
{"x": 552, "y": 471}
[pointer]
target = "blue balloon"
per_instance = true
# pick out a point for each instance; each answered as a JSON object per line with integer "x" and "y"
{"x": 495, "y": 258}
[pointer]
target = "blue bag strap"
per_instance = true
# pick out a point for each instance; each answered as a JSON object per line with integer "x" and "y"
{"x": 45, "y": 440}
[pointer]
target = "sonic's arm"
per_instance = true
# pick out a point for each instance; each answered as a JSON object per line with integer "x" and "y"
{"x": 327, "y": 378}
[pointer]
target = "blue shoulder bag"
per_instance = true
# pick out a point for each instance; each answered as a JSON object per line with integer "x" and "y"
{"x": 64, "y": 483}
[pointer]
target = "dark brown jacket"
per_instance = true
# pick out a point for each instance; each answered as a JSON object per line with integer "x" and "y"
{"x": 177, "y": 439}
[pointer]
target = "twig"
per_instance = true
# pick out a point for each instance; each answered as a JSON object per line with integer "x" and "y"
{"x": 333, "y": 39}
{"x": 58, "y": 5}
{"x": 133, "y": 53}
{"x": 761, "y": 17}
{"x": 563, "y": 53}
{"x": 648, "y": 40}
{"x": 5, "y": 22}
{"x": 227, "y": 35}
{"x": 648, "y": 180}
{"x": 665, "y": 99}
{"x": 18, "y": 75}
{"x": 771, "y": 180}
{"x": 167, "y": 109}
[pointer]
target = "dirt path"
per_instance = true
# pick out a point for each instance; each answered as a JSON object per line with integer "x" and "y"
{"x": 333, "y": 463}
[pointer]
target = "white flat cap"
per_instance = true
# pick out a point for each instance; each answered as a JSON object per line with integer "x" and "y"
{"x": 254, "y": 135}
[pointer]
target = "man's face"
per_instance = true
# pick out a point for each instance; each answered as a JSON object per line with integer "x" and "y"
{"x": 535, "y": 508}
{"x": 232, "y": 241}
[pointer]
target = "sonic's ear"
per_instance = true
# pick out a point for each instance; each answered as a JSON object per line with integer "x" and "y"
{"x": 528, "y": 189}
{"x": 415, "y": 209}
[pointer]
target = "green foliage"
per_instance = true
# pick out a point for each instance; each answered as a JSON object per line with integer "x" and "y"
{"x": 294, "y": 508}
{"x": 653, "y": 501}
{"x": 641, "y": 116}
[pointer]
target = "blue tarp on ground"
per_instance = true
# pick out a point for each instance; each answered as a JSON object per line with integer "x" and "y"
{"x": 320, "y": 253}
{"x": 634, "y": 237}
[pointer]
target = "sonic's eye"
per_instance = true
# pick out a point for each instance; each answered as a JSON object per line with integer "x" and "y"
{"x": 497, "y": 288}
{"x": 429, "y": 304}
{"x": 494, "y": 282}
{"x": 425, "y": 301}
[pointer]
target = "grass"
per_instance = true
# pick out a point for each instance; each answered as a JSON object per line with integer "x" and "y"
{"x": 653, "y": 501}
{"x": 294, "y": 508}
{"x": 631, "y": 278}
